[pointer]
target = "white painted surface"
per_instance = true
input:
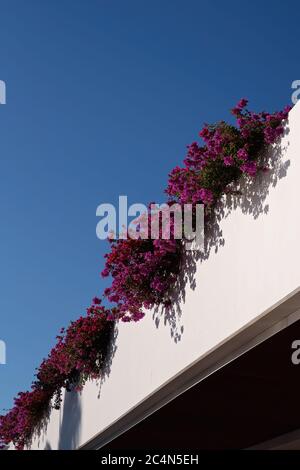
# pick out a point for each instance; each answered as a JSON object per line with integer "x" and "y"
{"x": 258, "y": 265}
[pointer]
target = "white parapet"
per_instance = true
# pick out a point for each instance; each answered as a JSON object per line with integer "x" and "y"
{"x": 246, "y": 288}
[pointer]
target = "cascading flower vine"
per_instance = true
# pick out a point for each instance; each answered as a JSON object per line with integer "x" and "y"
{"x": 79, "y": 354}
{"x": 228, "y": 152}
{"x": 144, "y": 270}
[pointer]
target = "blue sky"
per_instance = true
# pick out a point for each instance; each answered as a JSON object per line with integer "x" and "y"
{"x": 102, "y": 98}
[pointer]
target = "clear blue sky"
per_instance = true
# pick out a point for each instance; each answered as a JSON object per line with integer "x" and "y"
{"x": 102, "y": 97}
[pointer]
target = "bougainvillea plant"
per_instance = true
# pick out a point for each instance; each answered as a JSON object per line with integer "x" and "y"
{"x": 143, "y": 271}
{"x": 228, "y": 152}
{"x": 79, "y": 354}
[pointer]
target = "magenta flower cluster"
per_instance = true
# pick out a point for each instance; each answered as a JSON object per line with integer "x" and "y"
{"x": 142, "y": 273}
{"x": 79, "y": 354}
{"x": 228, "y": 152}
{"x": 144, "y": 270}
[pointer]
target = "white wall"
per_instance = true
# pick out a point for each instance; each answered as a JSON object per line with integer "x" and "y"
{"x": 257, "y": 263}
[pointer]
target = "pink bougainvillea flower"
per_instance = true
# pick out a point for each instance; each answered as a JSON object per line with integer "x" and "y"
{"x": 228, "y": 160}
{"x": 250, "y": 168}
{"x": 242, "y": 154}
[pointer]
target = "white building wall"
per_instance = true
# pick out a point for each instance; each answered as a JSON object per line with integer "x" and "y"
{"x": 255, "y": 265}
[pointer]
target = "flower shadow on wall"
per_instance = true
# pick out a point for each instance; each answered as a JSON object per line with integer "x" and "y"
{"x": 71, "y": 409}
{"x": 110, "y": 354}
{"x": 47, "y": 446}
{"x": 250, "y": 196}
{"x": 70, "y": 427}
